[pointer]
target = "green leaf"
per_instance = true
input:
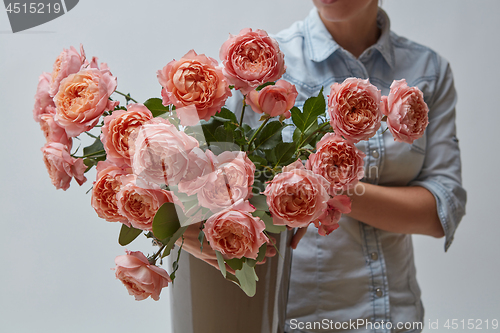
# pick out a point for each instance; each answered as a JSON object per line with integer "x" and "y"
{"x": 166, "y": 222}
{"x": 127, "y": 235}
{"x": 94, "y": 148}
{"x": 201, "y": 236}
{"x": 225, "y": 115}
{"x": 284, "y": 152}
{"x": 236, "y": 263}
{"x": 221, "y": 135}
{"x": 247, "y": 278}
{"x": 262, "y": 252}
{"x": 220, "y": 261}
{"x": 271, "y": 155}
{"x": 156, "y": 106}
{"x": 259, "y": 202}
{"x": 313, "y": 108}
{"x": 209, "y": 128}
{"x": 270, "y": 135}
{"x": 170, "y": 242}
{"x": 257, "y": 160}
{"x": 268, "y": 221}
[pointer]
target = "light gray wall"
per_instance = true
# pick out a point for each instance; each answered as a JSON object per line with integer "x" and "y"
{"x": 56, "y": 254}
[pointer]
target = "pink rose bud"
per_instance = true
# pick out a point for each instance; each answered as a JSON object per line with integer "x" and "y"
{"x": 337, "y": 206}
{"x": 82, "y": 98}
{"x": 235, "y": 232}
{"x": 274, "y": 100}
{"x": 119, "y": 132}
{"x": 339, "y": 161}
{"x": 194, "y": 80}
{"x": 406, "y": 112}
{"x": 354, "y": 108}
{"x": 61, "y": 166}
{"x": 251, "y": 59}
{"x": 141, "y": 279}
{"x": 296, "y": 197}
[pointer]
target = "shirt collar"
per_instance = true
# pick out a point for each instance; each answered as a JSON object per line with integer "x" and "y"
{"x": 321, "y": 45}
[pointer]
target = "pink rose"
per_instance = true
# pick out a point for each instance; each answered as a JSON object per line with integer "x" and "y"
{"x": 104, "y": 192}
{"x": 139, "y": 201}
{"x": 68, "y": 62}
{"x": 43, "y": 102}
{"x": 82, "y": 98}
{"x": 162, "y": 152}
{"x": 337, "y": 206}
{"x": 274, "y": 100}
{"x": 250, "y": 59}
{"x": 339, "y": 161}
{"x": 200, "y": 165}
{"x": 140, "y": 277}
{"x": 354, "y": 108}
{"x": 61, "y": 166}
{"x": 235, "y": 232}
{"x": 53, "y": 132}
{"x": 296, "y": 197}
{"x": 406, "y": 112}
{"x": 119, "y": 132}
{"x": 194, "y": 80}
{"x": 231, "y": 181}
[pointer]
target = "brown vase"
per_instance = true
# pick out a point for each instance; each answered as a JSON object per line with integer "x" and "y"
{"x": 202, "y": 301}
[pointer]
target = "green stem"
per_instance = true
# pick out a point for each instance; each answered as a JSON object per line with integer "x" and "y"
{"x": 152, "y": 260}
{"x": 257, "y": 132}
{"x": 91, "y": 135}
{"x": 91, "y": 154}
{"x": 313, "y": 133}
{"x": 243, "y": 109}
{"x": 126, "y": 96}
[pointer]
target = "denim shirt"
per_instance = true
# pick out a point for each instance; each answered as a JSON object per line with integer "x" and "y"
{"x": 359, "y": 272}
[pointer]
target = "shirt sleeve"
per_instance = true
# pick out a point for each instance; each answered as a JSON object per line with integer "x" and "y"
{"x": 441, "y": 172}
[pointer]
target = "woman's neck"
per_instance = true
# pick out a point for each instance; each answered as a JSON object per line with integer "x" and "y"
{"x": 358, "y": 33}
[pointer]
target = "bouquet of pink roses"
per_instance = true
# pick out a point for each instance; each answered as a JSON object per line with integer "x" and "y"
{"x": 186, "y": 160}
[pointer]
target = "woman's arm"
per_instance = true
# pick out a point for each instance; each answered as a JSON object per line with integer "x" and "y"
{"x": 405, "y": 210}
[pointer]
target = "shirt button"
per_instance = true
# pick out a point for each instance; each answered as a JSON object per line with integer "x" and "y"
{"x": 374, "y": 256}
{"x": 375, "y": 153}
{"x": 379, "y": 292}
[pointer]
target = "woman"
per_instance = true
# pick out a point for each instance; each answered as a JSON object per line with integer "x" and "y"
{"x": 364, "y": 271}
{"x": 362, "y": 278}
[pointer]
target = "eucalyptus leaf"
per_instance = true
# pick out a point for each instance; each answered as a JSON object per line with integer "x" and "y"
{"x": 94, "y": 148}
{"x": 155, "y": 105}
{"x": 268, "y": 221}
{"x": 220, "y": 261}
{"x": 236, "y": 263}
{"x": 170, "y": 242}
{"x": 259, "y": 202}
{"x": 247, "y": 278}
{"x": 127, "y": 235}
{"x": 166, "y": 222}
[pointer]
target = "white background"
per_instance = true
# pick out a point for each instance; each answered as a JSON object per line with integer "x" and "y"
{"x": 56, "y": 254}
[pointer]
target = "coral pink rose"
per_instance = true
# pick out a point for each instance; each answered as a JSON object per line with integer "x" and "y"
{"x": 231, "y": 181}
{"x": 82, "y": 98}
{"x": 339, "y": 161}
{"x": 194, "y": 80}
{"x": 250, "y": 59}
{"x": 53, "y": 132}
{"x": 274, "y": 100}
{"x": 337, "y": 206}
{"x": 104, "y": 192}
{"x": 61, "y": 166}
{"x": 201, "y": 163}
{"x": 118, "y": 133}
{"x": 406, "y": 112}
{"x": 68, "y": 62}
{"x": 139, "y": 201}
{"x": 235, "y": 233}
{"x": 140, "y": 277}
{"x": 43, "y": 102}
{"x": 162, "y": 152}
{"x": 296, "y": 197}
{"x": 354, "y": 108}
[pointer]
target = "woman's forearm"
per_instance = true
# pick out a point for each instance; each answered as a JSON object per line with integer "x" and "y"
{"x": 406, "y": 210}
